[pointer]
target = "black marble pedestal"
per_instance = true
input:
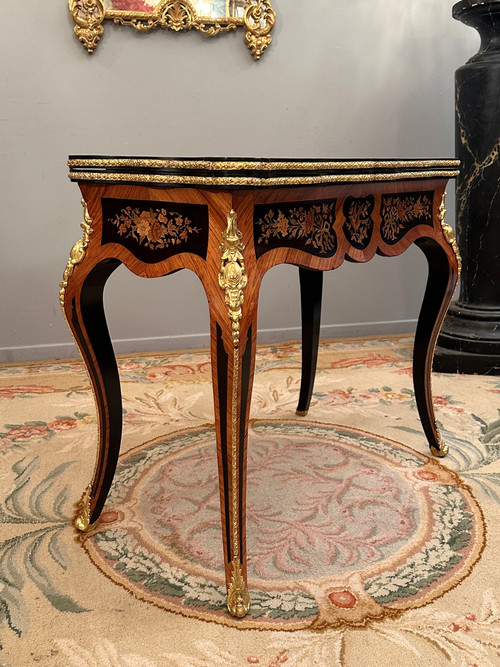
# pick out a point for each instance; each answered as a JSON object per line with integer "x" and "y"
{"x": 470, "y": 338}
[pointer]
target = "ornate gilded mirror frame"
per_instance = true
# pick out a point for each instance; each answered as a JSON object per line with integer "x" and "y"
{"x": 256, "y": 16}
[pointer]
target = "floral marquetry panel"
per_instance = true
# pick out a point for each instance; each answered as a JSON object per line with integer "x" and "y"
{"x": 358, "y": 225}
{"x": 318, "y": 227}
{"x": 403, "y": 212}
{"x": 154, "y": 231}
{"x": 302, "y": 225}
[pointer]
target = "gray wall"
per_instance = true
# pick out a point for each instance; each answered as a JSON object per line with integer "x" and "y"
{"x": 342, "y": 78}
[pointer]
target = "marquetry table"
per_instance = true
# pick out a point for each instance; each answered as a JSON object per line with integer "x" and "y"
{"x": 230, "y": 221}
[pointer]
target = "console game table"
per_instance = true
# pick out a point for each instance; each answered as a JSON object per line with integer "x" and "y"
{"x": 230, "y": 221}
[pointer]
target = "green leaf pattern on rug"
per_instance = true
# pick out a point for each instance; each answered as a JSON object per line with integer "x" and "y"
{"x": 451, "y": 534}
{"x": 470, "y": 460}
{"x": 158, "y": 575}
{"x": 24, "y": 557}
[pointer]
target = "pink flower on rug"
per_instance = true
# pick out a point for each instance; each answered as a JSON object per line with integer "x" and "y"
{"x": 5, "y": 443}
{"x": 25, "y": 432}
{"x": 286, "y": 351}
{"x": 369, "y": 360}
{"x": 443, "y": 402}
{"x": 63, "y": 424}
{"x": 14, "y": 391}
{"x": 343, "y": 599}
{"x": 205, "y": 367}
{"x": 172, "y": 370}
{"x": 340, "y": 397}
{"x": 367, "y": 395}
{"x": 129, "y": 366}
{"x": 427, "y": 475}
{"x": 404, "y": 371}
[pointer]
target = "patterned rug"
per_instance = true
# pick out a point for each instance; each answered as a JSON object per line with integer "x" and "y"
{"x": 363, "y": 550}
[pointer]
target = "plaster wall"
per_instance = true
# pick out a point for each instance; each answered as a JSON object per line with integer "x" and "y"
{"x": 348, "y": 78}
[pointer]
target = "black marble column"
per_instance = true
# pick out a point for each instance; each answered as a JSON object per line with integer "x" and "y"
{"x": 470, "y": 338}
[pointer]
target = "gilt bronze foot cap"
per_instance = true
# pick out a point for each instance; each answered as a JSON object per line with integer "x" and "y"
{"x": 442, "y": 451}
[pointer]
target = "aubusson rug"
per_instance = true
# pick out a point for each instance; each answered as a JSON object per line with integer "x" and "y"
{"x": 363, "y": 550}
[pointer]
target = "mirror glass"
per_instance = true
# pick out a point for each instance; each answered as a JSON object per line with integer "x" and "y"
{"x": 208, "y": 8}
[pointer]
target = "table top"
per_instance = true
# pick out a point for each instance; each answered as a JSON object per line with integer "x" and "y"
{"x": 252, "y": 172}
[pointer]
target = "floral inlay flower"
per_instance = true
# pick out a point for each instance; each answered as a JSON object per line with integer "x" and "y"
{"x": 358, "y": 225}
{"x": 156, "y": 228}
{"x": 312, "y": 224}
{"x": 400, "y": 213}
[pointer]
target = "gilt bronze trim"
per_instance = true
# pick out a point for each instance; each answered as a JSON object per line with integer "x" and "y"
{"x": 82, "y": 522}
{"x": 248, "y": 181}
{"x": 77, "y": 253}
{"x": 449, "y": 234}
{"x": 233, "y": 280}
{"x": 258, "y": 165}
{"x": 232, "y": 274}
{"x": 238, "y": 598}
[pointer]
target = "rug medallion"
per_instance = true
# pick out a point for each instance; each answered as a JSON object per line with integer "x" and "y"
{"x": 382, "y": 527}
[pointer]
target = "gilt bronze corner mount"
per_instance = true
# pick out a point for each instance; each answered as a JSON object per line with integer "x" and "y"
{"x": 257, "y": 17}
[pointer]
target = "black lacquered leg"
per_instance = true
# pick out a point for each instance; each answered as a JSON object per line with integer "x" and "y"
{"x": 88, "y": 323}
{"x": 441, "y": 282}
{"x": 311, "y": 291}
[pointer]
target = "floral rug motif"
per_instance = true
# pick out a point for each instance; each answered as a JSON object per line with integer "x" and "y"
{"x": 343, "y": 527}
{"x": 363, "y": 549}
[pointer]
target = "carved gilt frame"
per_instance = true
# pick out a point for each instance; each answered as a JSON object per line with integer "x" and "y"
{"x": 258, "y": 21}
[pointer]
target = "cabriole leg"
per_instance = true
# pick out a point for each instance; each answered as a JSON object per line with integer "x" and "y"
{"x": 83, "y": 307}
{"x": 233, "y": 333}
{"x": 441, "y": 283}
{"x": 311, "y": 292}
